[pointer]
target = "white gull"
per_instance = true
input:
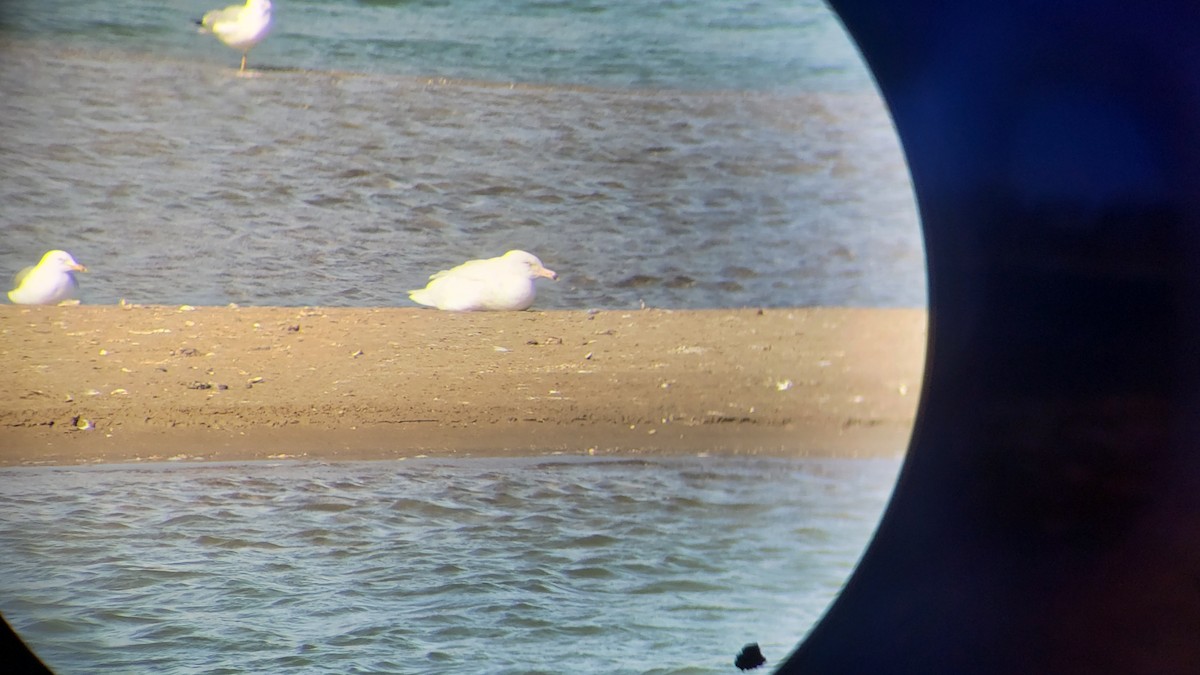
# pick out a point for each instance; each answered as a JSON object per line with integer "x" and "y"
{"x": 49, "y": 282}
{"x": 502, "y": 283}
{"x": 239, "y": 26}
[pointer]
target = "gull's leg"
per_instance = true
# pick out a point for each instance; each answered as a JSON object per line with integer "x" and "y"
{"x": 243, "y": 68}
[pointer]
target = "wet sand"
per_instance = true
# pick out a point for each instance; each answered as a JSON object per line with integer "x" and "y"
{"x": 94, "y": 384}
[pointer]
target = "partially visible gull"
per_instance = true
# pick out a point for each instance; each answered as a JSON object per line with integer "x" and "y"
{"x": 503, "y": 283}
{"x": 49, "y": 282}
{"x": 239, "y": 26}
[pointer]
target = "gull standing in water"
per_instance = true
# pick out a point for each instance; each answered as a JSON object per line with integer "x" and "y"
{"x": 49, "y": 282}
{"x": 503, "y": 283}
{"x": 239, "y": 26}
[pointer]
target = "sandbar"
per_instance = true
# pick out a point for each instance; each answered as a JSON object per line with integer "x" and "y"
{"x": 106, "y": 384}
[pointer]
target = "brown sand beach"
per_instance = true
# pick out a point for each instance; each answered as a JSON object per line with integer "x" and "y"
{"x": 89, "y": 384}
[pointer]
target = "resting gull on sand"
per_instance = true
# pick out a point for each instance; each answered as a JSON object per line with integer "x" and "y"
{"x": 49, "y": 282}
{"x": 503, "y": 283}
{"x": 239, "y": 26}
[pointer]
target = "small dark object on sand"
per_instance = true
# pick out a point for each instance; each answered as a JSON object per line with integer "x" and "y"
{"x": 750, "y": 657}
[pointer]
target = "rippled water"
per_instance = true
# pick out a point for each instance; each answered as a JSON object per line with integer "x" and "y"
{"x": 706, "y": 154}
{"x": 700, "y": 44}
{"x": 548, "y": 565}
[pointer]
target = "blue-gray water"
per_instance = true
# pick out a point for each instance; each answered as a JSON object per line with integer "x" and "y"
{"x": 546, "y": 565}
{"x": 686, "y": 154}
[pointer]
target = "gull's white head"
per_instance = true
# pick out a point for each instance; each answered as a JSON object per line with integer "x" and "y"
{"x": 530, "y": 262}
{"x": 60, "y": 261}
